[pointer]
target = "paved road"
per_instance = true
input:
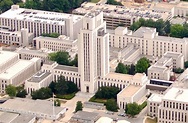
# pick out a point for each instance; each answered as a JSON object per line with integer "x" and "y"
{"x": 71, "y": 105}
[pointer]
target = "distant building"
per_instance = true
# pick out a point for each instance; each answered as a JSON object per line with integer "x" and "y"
{"x": 39, "y": 22}
{"x": 84, "y": 117}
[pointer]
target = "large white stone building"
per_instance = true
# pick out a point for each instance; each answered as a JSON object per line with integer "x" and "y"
{"x": 149, "y": 42}
{"x": 39, "y": 22}
{"x": 15, "y": 71}
{"x": 93, "y": 52}
{"x": 170, "y": 108}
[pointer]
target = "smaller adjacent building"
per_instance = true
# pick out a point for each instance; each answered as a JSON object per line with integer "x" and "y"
{"x": 12, "y": 37}
{"x": 153, "y": 103}
{"x": 84, "y": 117}
{"x": 133, "y": 92}
{"x": 62, "y": 43}
{"x": 162, "y": 69}
{"x": 37, "y": 81}
{"x": 27, "y": 54}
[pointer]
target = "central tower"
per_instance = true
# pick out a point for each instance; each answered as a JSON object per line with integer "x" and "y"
{"x": 93, "y": 51}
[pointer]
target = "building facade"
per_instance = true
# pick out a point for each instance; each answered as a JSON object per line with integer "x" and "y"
{"x": 39, "y": 22}
{"x": 93, "y": 52}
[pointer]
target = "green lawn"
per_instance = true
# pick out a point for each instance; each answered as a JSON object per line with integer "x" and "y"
{"x": 95, "y": 1}
{"x": 149, "y": 120}
{"x": 93, "y": 99}
{"x": 67, "y": 96}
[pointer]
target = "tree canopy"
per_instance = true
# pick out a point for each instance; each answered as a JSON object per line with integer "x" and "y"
{"x": 111, "y": 105}
{"x": 186, "y": 64}
{"x": 133, "y": 109}
{"x": 63, "y": 58}
{"x": 61, "y": 86}
{"x": 107, "y": 92}
{"x": 121, "y": 68}
{"x": 43, "y": 93}
{"x": 48, "y": 5}
{"x": 53, "y": 35}
{"x": 79, "y": 106}
{"x": 163, "y": 27}
{"x": 11, "y": 90}
{"x": 142, "y": 65}
{"x": 114, "y": 2}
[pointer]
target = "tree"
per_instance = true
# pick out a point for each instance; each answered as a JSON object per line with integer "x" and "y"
{"x": 142, "y": 65}
{"x": 186, "y": 64}
{"x": 43, "y": 93}
{"x": 21, "y": 92}
{"x": 114, "y": 2}
{"x": 111, "y": 105}
{"x": 52, "y": 87}
{"x": 61, "y": 86}
{"x": 176, "y": 30}
{"x": 5, "y": 5}
{"x": 11, "y": 90}
{"x": 178, "y": 70}
{"x": 57, "y": 102}
{"x": 121, "y": 68}
{"x": 79, "y": 106}
{"x": 133, "y": 109}
{"x": 107, "y": 92}
{"x": 74, "y": 62}
{"x": 72, "y": 87}
{"x": 132, "y": 69}
{"x": 53, "y": 35}
{"x": 60, "y": 57}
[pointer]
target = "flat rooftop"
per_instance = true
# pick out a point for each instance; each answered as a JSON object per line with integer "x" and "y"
{"x": 6, "y": 56}
{"x": 16, "y": 69}
{"x": 140, "y": 33}
{"x": 176, "y": 94}
{"x": 39, "y": 16}
{"x": 61, "y": 38}
{"x": 43, "y": 53}
{"x": 130, "y": 90}
{"x": 172, "y": 54}
{"x": 30, "y": 106}
{"x": 23, "y": 119}
{"x": 119, "y": 76}
{"x": 90, "y": 116}
{"x": 67, "y": 68}
{"x": 121, "y": 11}
{"x": 38, "y": 77}
{"x": 157, "y": 68}
{"x": 183, "y": 5}
{"x": 155, "y": 98}
{"x": 6, "y": 117}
